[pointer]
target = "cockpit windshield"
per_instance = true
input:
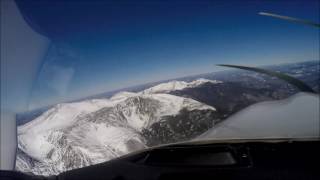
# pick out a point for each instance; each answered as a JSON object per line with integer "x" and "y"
{"x": 121, "y": 76}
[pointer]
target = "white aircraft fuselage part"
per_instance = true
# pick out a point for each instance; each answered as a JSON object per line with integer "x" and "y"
{"x": 22, "y": 51}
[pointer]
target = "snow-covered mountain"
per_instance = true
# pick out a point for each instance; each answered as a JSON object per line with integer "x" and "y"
{"x": 177, "y": 85}
{"x": 74, "y": 135}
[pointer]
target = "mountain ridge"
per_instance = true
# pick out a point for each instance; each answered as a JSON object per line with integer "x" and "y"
{"x": 71, "y": 136}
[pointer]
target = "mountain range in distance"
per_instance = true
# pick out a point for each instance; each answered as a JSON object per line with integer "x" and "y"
{"x": 307, "y": 71}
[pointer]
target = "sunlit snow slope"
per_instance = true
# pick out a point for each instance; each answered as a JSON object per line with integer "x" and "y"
{"x": 177, "y": 85}
{"x": 74, "y": 135}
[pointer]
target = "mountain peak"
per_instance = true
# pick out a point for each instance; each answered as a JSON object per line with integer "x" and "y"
{"x": 177, "y": 85}
{"x": 94, "y": 131}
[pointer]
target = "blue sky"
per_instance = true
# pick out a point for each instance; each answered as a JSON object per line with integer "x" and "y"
{"x": 102, "y": 46}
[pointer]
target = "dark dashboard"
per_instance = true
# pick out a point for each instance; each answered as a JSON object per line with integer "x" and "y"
{"x": 238, "y": 160}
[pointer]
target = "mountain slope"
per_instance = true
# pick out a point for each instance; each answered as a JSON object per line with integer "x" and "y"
{"x": 230, "y": 97}
{"x": 74, "y": 135}
{"x": 177, "y": 85}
